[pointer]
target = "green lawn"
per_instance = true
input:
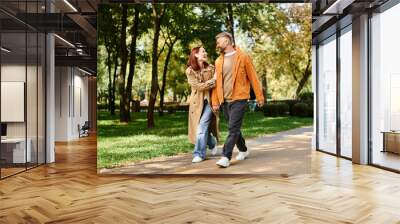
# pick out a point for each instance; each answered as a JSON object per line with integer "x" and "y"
{"x": 119, "y": 144}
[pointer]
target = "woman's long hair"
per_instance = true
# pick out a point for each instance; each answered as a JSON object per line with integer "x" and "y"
{"x": 192, "y": 62}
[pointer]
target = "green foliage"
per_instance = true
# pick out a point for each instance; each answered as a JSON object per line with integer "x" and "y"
{"x": 302, "y": 110}
{"x": 174, "y": 108}
{"x": 276, "y": 109}
{"x": 307, "y": 97}
{"x": 277, "y": 36}
{"x": 282, "y": 48}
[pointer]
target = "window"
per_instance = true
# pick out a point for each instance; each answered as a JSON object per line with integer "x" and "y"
{"x": 385, "y": 88}
{"x": 327, "y": 95}
{"x": 22, "y": 77}
{"x": 346, "y": 92}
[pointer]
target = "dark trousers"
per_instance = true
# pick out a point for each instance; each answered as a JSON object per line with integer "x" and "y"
{"x": 234, "y": 113}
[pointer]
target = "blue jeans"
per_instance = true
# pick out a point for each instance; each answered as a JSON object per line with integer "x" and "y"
{"x": 204, "y": 137}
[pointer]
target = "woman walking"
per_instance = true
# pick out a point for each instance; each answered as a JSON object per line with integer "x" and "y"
{"x": 202, "y": 120}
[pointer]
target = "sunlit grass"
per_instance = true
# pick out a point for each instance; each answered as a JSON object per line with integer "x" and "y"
{"x": 120, "y": 144}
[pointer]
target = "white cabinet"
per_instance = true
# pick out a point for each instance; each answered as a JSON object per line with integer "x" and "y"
{"x": 18, "y": 149}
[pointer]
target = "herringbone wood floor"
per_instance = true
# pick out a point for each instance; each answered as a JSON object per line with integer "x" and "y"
{"x": 70, "y": 191}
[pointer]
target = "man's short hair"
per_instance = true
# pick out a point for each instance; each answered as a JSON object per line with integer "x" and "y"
{"x": 225, "y": 34}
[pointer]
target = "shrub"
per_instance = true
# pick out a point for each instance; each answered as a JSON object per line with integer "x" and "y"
{"x": 171, "y": 109}
{"x": 307, "y": 97}
{"x": 283, "y": 109}
{"x": 310, "y": 111}
{"x": 174, "y": 108}
{"x": 276, "y": 109}
{"x": 135, "y": 105}
{"x": 105, "y": 106}
{"x": 102, "y": 106}
{"x": 302, "y": 110}
{"x": 289, "y": 102}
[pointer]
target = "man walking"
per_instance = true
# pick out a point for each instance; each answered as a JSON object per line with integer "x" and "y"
{"x": 235, "y": 73}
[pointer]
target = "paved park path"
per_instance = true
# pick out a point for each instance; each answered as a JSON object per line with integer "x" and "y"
{"x": 285, "y": 153}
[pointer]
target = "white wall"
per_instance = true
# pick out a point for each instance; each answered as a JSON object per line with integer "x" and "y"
{"x": 15, "y": 73}
{"x": 33, "y": 126}
{"x": 80, "y": 94}
{"x": 62, "y": 81}
{"x": 70, "y": 83}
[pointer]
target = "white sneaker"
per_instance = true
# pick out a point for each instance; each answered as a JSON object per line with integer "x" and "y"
{"x": 223, "y": 162}
{"x": 214, "y": 151}
{"x": 242, "y": 155}
{"x": 197, "y": 159}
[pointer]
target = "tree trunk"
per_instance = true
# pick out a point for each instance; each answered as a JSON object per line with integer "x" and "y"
{"x": 304, "y": 79}
{"x": 132, "y": 62}
{"x": 265, "y": 86}
{"x": 174, "y": 97}
{"x": 231, "y": 22}
{"x": 154, "y": 73}
{"x": 164, "y": 78}
{"x": 113, "y": 83}
{"x": 109, "y": 77}
{"x": 124, "y": 61}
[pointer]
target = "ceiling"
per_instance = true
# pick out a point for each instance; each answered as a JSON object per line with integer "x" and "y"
{"x": 329, "y": 15}
{"x": 73, "y": 21}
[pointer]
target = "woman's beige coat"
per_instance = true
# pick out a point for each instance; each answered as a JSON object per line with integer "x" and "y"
{"x": 202, "y": 83}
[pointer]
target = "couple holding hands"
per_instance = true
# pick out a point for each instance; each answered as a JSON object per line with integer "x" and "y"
{"x": 225, "y": 86}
